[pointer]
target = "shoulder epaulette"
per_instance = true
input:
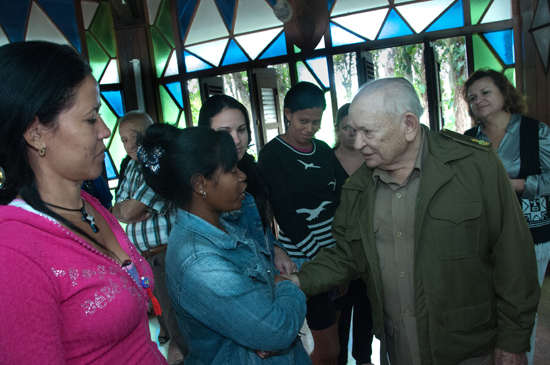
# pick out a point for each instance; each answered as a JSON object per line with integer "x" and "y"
{"x": 460, "y": 138}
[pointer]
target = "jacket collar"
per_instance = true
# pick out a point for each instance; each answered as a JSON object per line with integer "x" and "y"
{"x": 440, "y": 152}
{"x": 199, "y": 226}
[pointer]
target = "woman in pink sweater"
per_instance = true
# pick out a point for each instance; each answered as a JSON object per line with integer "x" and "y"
{"x": 74, "y": 289}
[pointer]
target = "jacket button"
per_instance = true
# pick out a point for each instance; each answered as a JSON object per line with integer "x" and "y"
{"x": 399, "y": 234}
{"x": 401, "y": 274}
{"x": 398, "y": 195}
{"x": 407, "y": 312}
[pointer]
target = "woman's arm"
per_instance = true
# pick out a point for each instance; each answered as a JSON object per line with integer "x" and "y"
{"x": 238, "y": 306}
{"x": 537, "y": 186}
{"x": 30, "y": 330}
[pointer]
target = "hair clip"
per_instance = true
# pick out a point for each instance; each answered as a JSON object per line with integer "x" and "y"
{"x": 150, "y": 160}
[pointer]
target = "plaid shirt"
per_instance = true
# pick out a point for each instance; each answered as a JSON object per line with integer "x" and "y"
{"x": 153, "y": 231}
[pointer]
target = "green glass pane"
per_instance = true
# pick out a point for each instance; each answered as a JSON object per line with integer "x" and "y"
{"x": 164, "y": 22}
{"x": 170, "y": 110}
{"x": 161, "y": 50}
{"x": 477, "y": 7}
{"x": 297, "y": 50}
{"x": 102, "y": 28}
{"x": 107, "y": 115}
{"x": 510, "y": 73}
{"x": 483, "y": 57}
{"x": 98, "y": 58}
{"x": 117, "y": 151}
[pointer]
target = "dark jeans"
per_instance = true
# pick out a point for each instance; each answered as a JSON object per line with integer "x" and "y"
{"x": 357, "y": 299}
{"x": 167, "y": 320}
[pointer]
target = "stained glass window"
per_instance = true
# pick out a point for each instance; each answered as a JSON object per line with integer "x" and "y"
{"x": 483, "y": 57}
{"x": 278, "y": 48}
{"x": 341, "y": 37}
{"x": 192, "y": 63}
{"x": 175, "y": 90}
{"x": 234, "y": 54}
{"x": 170, "y": 111}
{"x": 453, "y": 18}
{"x": 114, "y": 98}
{"x": 254, "y": 43}
{"x": 503, "y": 43}
{"x": 320, "y": 67}
{"x": 211, "y": 52}
{"x": 394, "y": 27}
{"x": 365, "y": 24}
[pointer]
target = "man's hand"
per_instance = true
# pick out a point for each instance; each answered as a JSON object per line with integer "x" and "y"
{"x": 283, "y": 263}
{"x": 509, "y": 358}
{"x": 292, "y": 278}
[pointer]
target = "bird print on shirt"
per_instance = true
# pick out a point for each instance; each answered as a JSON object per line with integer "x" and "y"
{"x": 313, "y": 213}
{"x": 333, "y": 183}
{"x": 307, "y": 165}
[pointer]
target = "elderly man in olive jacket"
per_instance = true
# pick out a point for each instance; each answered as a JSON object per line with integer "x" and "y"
{"x": 433, "y": 227}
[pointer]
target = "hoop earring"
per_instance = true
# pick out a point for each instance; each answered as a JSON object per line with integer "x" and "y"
{"x": 42, "y": 151}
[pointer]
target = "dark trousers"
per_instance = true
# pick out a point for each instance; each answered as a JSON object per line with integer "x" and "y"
{"x": 357, "y": 299}
{"x": 167, "y": 320}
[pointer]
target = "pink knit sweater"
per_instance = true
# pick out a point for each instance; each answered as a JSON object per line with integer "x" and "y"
{"x": 63, "y": 302}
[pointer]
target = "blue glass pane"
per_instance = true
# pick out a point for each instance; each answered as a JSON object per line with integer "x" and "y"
{"x": 13, "y": 17}
{"x": 453, "y": 18}
{"x": 503, "y": 43}
{"x": 234, "y": 55}
{"x": 63, "y": 15}
{"x": 319, "y": 65}
{"x": 272, "y": 2}
{"x": 278, "y": 48}
{"x": 114, "y": 98}
{"x": 175, "y": 89}
{"x": 339, "y": 36}
{"x": 186, "y": 9}
{"x": 330, "y": 2}
{"x": 227, "y": 8}
{"x": 394, "y": 27}
{"x": 193, "y": 63}
{"x": 109, "y": 167}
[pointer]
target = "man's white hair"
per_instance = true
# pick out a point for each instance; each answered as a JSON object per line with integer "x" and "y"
{"x": 399, "y": 95}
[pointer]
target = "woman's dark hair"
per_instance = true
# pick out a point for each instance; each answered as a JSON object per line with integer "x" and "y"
{"x": 514, "y": 101}
{"x": 256, "y": 184}
{"x": 215, "y": 105}
{"x": 182, "y": 155}
{"x": 304, "y": 95}
{"x": 37, "y": 79}
{"x": 342, "y": 113}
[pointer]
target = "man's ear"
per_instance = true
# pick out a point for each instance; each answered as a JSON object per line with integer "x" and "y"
{"x": 411, "y": 125}
{"x": 34, "y": 134}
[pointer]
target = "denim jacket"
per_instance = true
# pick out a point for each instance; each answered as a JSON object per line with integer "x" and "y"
{"x": 227, "y": 305}
{"x": 248, "y": 217}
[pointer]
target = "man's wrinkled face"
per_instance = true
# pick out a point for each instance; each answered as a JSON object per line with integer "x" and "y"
{"x": 380, "y": 133}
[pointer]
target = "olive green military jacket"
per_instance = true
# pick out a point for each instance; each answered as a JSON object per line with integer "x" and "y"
{"x": 475, "y": 275}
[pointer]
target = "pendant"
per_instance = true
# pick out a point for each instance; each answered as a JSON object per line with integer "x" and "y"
{"x": 89, "y": 219}
{"x": 144, "y": 282}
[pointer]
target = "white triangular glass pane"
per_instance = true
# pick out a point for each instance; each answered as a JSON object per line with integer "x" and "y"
{"x": 172, "y": 68}
{"x": 542, "y": 16}
{"x": 402, "y": 1}
{"x": 365, "y": 24}
{"x": 542, "y": 39}
{"x": 110, "y": 76}
{"x": 88, "y": 12}
{"x": 321, "y": 44}
{"x": 3, "y": 38}
{"x": 153, "y": 8}
{"x": 255, "y": 43}
{"x": 41, "y": 28}
{"x": 211, "y": 51}
{"x": 207, "y": 24}
{"x": 350, "y": 6}
{"x": 420, "y": 15}
{"x": 254, "y": 15}
{"x": 500, "y": 10}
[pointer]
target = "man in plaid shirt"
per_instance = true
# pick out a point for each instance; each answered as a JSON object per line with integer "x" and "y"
{"x": 148, "y": 220}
